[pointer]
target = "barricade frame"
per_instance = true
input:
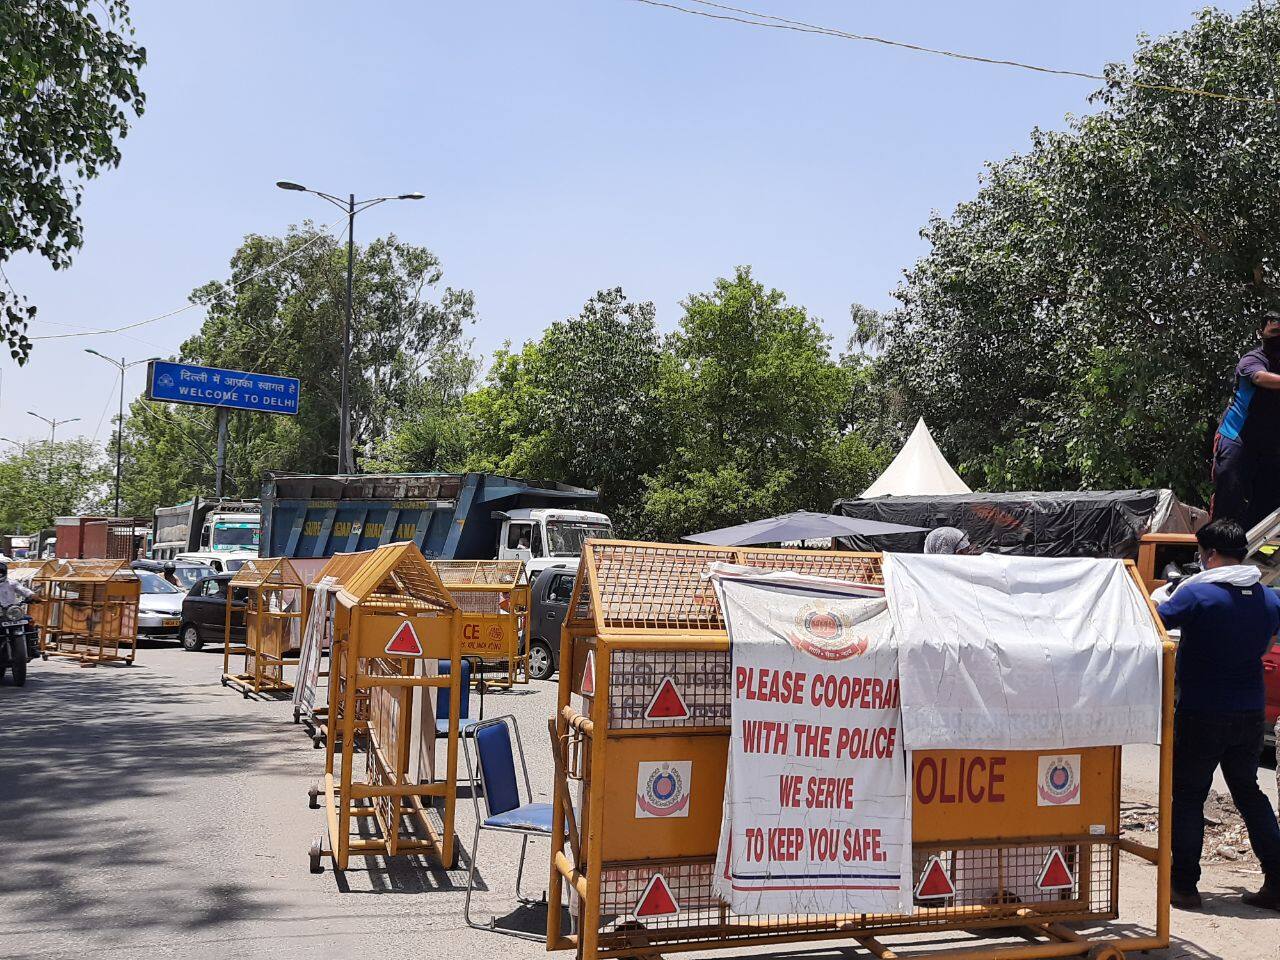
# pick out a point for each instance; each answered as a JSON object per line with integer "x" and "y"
{"x": 35, "y": 575}
{"x": 491, "y": 634}
{"x": 316, "y": 719}
{"x": 381, "y": 590}
{"x": 269, "y": 582}
{"x": 680, "y": 613}
{"x": 97, "y": 628}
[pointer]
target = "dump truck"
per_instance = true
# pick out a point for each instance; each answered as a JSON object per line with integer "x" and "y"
{"x": 206, "y": 528}
{"x": 450, "y": 516}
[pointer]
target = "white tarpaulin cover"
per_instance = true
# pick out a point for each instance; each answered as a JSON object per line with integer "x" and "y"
{"x": 315, "y": 639}
{"x": 919, "y": 469}
{"x": 817, "y": 815}
{"x": 1022, "y": 653}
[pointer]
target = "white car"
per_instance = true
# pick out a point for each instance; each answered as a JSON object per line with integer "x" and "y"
{"x": 159, "y": 607}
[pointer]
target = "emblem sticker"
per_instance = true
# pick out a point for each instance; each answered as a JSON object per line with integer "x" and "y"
{"x": 662, "y": 789}
{"x": 1058, "y": 784}
{"x": 826, "y": 633}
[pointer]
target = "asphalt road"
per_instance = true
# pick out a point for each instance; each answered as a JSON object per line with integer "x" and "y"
{"x": 148, "y": 812}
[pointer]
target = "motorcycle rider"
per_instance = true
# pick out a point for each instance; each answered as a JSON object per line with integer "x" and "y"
{"x": 11, "y": 594}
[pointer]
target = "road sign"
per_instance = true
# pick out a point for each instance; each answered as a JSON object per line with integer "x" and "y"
{"x": 213, "y": 387}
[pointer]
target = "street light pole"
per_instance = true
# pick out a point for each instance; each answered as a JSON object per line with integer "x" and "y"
{"x": 53, "y": 423}
{"x": 122, "y": 365}
{"x": 351, "y": 206}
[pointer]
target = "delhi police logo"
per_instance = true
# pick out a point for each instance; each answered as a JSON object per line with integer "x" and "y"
{"x": 1059, "y": 781}
{"x": 663, "y": 789}
{"x": 826, "y": 634}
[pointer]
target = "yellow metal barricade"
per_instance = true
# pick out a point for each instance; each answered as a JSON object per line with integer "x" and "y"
{"x": 93, "y": 612}
{"x": 645, "y": 620}
{"x": 493, "y": 596}
{"x": 272, "y": 622}
{"x": 393, "y": 620}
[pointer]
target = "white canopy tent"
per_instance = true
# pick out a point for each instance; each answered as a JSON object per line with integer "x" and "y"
{"x": 919, "y": 469}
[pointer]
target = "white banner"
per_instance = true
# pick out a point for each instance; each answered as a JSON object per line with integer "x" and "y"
{"x": 817, "y": 815}
{"x": 315, "y": 640}
{"x": 1023, "y": 653}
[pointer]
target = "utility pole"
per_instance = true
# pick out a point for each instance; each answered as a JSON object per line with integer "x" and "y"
{"x": 351, "y": 206}
{"x": 122, "y": 365}
{"x": 53, "y": 430}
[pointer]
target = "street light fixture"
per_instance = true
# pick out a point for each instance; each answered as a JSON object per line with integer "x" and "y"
{"x": 53, "y": 423}
{"x": 352, "y": 206}
{"x": 122, "y": 366}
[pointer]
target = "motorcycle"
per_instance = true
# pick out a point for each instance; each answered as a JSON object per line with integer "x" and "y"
{"x": 19, "y": 643}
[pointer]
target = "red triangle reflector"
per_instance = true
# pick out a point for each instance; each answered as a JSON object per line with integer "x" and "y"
{"x": 934, "y": 882}
{"x": 666, "y": 703}
{"x": 404, "y": 642}
{"x": 1055, "y": 875}
{"x": 589, "y": 675}
{"x": 656, "y": 901}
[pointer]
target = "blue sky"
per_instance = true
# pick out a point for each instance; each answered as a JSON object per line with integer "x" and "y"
{"x": 564, "y": 145}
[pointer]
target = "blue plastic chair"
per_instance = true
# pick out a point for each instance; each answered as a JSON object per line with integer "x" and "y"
{"x": 496, "y": 744}
{"x": 465, "y": 723}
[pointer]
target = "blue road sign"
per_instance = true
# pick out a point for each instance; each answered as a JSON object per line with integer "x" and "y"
{"x": 212, "y": 387}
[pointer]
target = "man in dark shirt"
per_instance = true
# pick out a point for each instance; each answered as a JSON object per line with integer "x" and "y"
{"x": 1227, "y": 619}
{"x": 1246, "y": 451}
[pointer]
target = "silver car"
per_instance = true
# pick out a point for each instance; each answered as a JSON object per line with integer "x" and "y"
{"x": 159, "y": 607}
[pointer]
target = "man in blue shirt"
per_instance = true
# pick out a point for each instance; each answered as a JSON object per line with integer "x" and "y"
{"x": 1246, "y": 450}
{"x": 1227, "y": 619}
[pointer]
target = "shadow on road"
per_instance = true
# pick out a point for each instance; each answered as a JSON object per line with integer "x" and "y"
{"x": 88, "y": 756}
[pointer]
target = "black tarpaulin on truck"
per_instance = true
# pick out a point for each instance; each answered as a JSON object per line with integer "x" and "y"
{"x": 1106, "y": 523}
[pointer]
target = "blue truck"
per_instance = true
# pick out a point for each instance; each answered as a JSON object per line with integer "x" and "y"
{"x": 450, "y": 516}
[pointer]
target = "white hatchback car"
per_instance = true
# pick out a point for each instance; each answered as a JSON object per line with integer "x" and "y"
{"x": 159, "y": 607}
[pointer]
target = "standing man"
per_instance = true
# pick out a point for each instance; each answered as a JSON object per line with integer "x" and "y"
{"x": 1227, "y": 620}
{"x": 1246, "y": 450}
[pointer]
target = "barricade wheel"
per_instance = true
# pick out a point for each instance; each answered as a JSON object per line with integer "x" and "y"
{"x": 313, "y": 798}
{"x": 297, "y": 716}
{"x": 315, "y": 857}
{"x": 223, "y": 680}
{"x": 1105, "y": 951}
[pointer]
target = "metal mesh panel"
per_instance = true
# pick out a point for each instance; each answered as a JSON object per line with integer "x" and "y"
{"x": 656, "y": 586}
{"x": 700, "y": 676}
{"x": 862, "y": 568}
{"x": 483, "y": 573}
{"x": 1092, "y": 896}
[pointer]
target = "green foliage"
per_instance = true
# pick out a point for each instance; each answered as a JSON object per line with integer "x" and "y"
{"x": 1077, "y": 322}
{"x": 579, "y": 406}
{"x": 755, "y": 408}
{"x": 288, "y": 320}
{"x": 39, "y": 483}
{"x": 67, "y": 75}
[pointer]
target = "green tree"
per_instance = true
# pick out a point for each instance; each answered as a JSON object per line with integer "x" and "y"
{"x": 39, "y": 482}
{"x": 1077, "y": 322}
{"x": 287, "y": 320}
{"x": 756, "y": 410}
{"x": 579, "y": 405}
{"x": 68, "y": 74}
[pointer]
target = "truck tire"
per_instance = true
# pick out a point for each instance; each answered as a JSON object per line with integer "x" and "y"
{"x": 541, "y": 661}
{"x": 190, "y": 638}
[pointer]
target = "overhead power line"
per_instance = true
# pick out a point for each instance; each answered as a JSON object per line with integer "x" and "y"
{"x": 320, "y": 235}
{"x": 755, "y": 18}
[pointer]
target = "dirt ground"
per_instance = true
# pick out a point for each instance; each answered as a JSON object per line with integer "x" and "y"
{"x": 149, "y": 813}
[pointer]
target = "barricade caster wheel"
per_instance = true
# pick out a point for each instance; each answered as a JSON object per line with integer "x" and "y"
{"x": 317, "y": 742}
{"x": 1105, "y": 951}
{"x": 223, "y": 681}
{"x": 315, "y": 857}
{"x": 245, "y": 694}
{"x": 297, "y": 717}
{"x": 313, "y": 799}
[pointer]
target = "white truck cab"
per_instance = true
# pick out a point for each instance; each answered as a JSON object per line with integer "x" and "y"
{"x": 546, "y": 536}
